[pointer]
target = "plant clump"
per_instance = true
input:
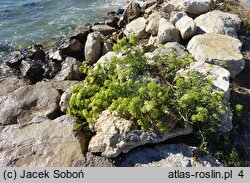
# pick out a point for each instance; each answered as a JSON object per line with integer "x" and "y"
{"x": 151, "y": 94}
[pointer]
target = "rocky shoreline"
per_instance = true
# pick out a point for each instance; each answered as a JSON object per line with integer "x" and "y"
{"x": 36, "y": 90}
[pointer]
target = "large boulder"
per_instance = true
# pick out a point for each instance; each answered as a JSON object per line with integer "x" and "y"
{"x": 168, "y": 155}
{"x": 32, "y": 103}
{"x": 218, "y": 22}
{"x": 175, "y": 16}
{"x": 50, "y": 143}
{"x": 72, "y": 48}
{"x": 69, "y": 70}
{"x": 219, "y": 50}
{"x": 93, "y": 47}
{"x": 132, "y": 11}
{"x": 13, "y": 59}
{"x": 167, "y": 32}
{"x": 115, "y": 135}
{"x": 153, "y": 23}
{"x": 187, "y": 27}
{"x": 10, "y": 84}
{"x": 137, "y": 27}
{"x": 195, "y": 7}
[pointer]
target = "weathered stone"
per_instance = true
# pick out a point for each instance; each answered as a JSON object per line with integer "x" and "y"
{"x": 65, "y": 99}
{"x": 171, "y": 47}
{"x": 55, "y": 56}
{"x": 152, "y": 40}
{"x": 93, "y": 47}
{"x": 149, "y": 3}
{"x": 92, "y": 160}
{"x": 106, "y": 47}
{"x": 175, "y": 16}
{"x": 168, "y": 8}
{"x": 13, "y": 59}
{"x": 168, "y": 155}
{"x": 218, "y": 22}
{"x": 29, "y": 103}
{"x": 103, "y": 29}
{"x": 81, "y": 33}
{"x": 150, "y": 9}
{"x": 70, "y": 70}
{"x": 72, "y": 48}
{"x": 167, "y": 32}
{"x": 195, "y": 7}
{"x": 187, "y": 27}
{"x": 105, "y": 59}
{"x": 115, "y": 135}
{"x": 136, "y": 27}
{"x": 9, "y": 84}
{"x": 132, "y": 11}
{"x": 153, "y": 23}
{"x": 112, "y": 21}
{"x": 219, "y": 50}
{"x": 38, "y": 55}
{"x": 52, "y": 69}
{"x": 51, "y": 143}
{"x": 32, "y": 69}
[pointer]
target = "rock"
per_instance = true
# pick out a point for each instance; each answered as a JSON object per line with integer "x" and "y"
{"x": 55, "y": 56}
{"x": 106, "y": 47}
{"x": 153, "y": 23}
{"x": 167, "y": 32}
{"x": 175, "y": 16}
{"x": 103, "y": 29}
{"x": 65, "y": 99}
{"x": 168, "y": 155}
{"x": 150, "y": 9}
{"x": 81, "y": 33}
{"x": 51, "y": 143}
{"x": 219, "y": 50}
{"x": 152, "y": 40}
{"x": 72, "y": 48}
{"x": 105, "y": 59}
{"x": 120, "y": 11}
{"x": 52, "y": 69}
{"x": 132, "y": 11}
{"x": 218, "y": 22}
{"x": 112, "y": 21}
{"x": 38, "y": 55}
{"x": 171, "y": 47}
{"x": 187, "y": 27}
{"x": 70, "y": 70}
{"x": 32, "y": 69}
{"x": 13, "y": 59}
{"x": 92, "y": 160}
{"x": 115, "y": 135}
{"x": 136, "y": 27}
{"x": 5, "y": 71}
{"x": 168, "y": 8}
{"x": 93, "y": 47}
{"x": 195, "y": 7}
{"x": 149, "y": 3}
{"x": 9, "y": 84}
{"x": 29, "y": 104}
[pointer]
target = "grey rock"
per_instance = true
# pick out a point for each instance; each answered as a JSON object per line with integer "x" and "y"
{"x": 219, "y": 50}
{"x": 29, "y": 103}
{"x": 50, "y": 143}
{"x": 65, "y": 99}
{"x": 81, "y": 33}
{"x": 195, "y": 7}
{"x": 72, "y": 48}
{"x": 153, "y": 23}
{"x": 171, "y": 47}
{"x": 55, "y": 55}
{"x": 218, "y": 22}
{"x": 93, "y": 47}
{"x": 32, "y": 69}
{"x": 137, "y": 27}
{"x": 167, "y": 32}
{"x": 187, "y": 27}
{"x": 175, "y": 16}
{"x": 69, "y": 70}
{"x": 103, "y": 29}
{"x": 172, "y": 155}
{"x": 9, "y": 84}
{"x": 115, "y": 135}
{"x": 132, "y": 11}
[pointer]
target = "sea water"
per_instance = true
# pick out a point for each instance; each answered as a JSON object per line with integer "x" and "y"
{"x": 24, "y": 22}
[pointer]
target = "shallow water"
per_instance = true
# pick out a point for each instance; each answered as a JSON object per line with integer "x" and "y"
{"x": 29, "y": 21}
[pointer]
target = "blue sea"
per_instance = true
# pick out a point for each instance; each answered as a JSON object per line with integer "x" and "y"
{"x": 23, "y": 22}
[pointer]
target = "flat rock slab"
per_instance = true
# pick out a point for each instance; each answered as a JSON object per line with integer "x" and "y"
{"x": 32, "y": 103}
{"x": 167, "y": 155}
{"x": 115, "y": 135}
{"x": 10, "y": 84}
{"x": 218, "y": 22}
{"x": 51, "y": 143}
{"x": 219, "y": 50}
